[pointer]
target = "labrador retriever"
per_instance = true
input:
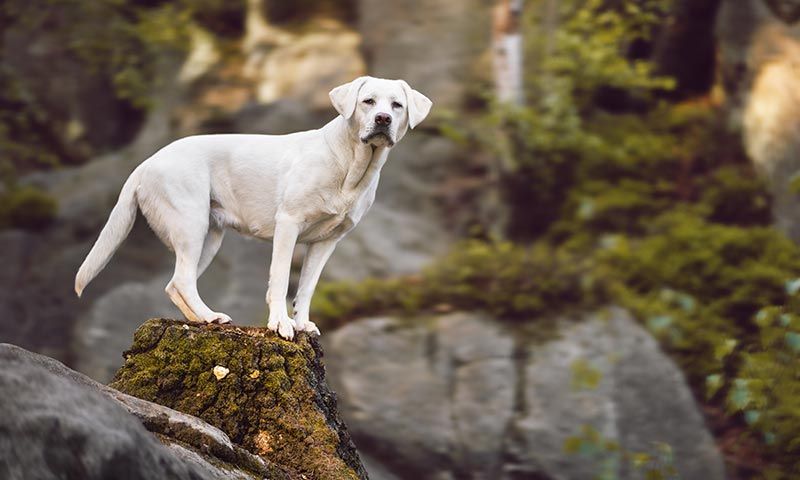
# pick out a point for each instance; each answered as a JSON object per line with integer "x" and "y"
{"x": 308, "y": 187}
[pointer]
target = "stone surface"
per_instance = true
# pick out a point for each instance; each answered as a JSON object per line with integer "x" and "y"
{"x": 306, "y": 64}
{"x": 432, "y": 44}
{"x": 75, "y": 100}
{"x": 274, "y": 400}
{"x": 61, "y": 424}
{"x": 759, "y": 43}
{"x": 461, "y": 396}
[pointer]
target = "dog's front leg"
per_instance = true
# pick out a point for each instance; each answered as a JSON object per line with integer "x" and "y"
{"x": 283, "y": 242}
{"x": 316, "y": 257}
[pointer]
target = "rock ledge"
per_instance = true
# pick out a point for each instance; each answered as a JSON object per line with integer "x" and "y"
{"x": 267, "y": 394}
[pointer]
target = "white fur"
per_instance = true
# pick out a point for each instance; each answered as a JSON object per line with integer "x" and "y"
{"x": 309, "y": 187}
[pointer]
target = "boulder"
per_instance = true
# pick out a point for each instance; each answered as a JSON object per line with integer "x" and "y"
{"x": 61, "y": 424}
{"x": 462, "y": 395}
{"x": 267, "y": 394}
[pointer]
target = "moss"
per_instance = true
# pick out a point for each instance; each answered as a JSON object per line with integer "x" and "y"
{"x": 281, "y": 413}
{"x": 28, "y": 208}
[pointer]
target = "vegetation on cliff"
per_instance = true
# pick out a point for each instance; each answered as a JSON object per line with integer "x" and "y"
{"x": 620, "y": 195}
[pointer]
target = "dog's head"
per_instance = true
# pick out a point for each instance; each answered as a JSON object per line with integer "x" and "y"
{"x": 380, "y": 111}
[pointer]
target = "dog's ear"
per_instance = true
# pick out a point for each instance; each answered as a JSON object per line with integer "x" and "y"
{"x": 418, "y": 105}
{"x": 344, "y": 97}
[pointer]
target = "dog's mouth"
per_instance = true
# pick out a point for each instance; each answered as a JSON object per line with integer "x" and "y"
{"x": 383, "y": 134}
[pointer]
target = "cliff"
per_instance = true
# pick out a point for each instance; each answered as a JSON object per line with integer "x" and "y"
{"x": 206, "y": 402}
{"x": 267, "y": 394}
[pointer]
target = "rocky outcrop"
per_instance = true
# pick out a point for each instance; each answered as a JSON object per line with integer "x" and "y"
{"x": 264, "y": 408}
{"x": 461, "y": 396}
{"x": 433, "y": 44}
{"x": 759, "y": 43}
{"x": 301, "y": 65}
{"x": 266, "y": 394}
{"x": 68, "y": 95}
{"x": 61, "y": 424}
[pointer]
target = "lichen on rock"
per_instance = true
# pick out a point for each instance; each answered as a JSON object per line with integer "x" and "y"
{"x": 285, "y": 413}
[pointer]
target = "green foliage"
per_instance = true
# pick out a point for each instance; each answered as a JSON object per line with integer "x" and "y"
{"x": 112, "y": 38}
{"x": 763, "y": 387}
{"x": 27, "y": 208}
{"x": 563, "y": 134}
{"x": 24, "y": 143}
{"x": 118, "y": 42}
{"x": 697, "y": 285}
{"x": 510, "y": 281}
{"x": 587, "y": 51}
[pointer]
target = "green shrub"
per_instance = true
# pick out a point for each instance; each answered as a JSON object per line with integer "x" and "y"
{"x": 27, "y": 208}
{"x": 513, "y": 282}
{"x": 108, "y": 42}
{"x": 764, "y": 387}
{"x": 697, "y": 284}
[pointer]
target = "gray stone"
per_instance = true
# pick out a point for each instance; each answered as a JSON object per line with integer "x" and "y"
{"x": 61, "y": 424}
{"x": 433, "y": 44}
{"x": 429, "y": 397}
{"x": 641, "y": 399}
{"x": 460, "y": 395}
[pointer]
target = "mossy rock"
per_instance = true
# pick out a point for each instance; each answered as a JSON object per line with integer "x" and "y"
{"x": 273, "y": 400}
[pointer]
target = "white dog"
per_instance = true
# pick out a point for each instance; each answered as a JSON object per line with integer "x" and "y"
{"x": 309, "y": 187}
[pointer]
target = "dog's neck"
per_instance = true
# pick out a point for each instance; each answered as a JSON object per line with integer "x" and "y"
{"x": 361, "y": 162}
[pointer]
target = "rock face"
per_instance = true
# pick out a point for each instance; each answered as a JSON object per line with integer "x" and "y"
{"x": 460, "y": 396}
{"x": 759, "y": 43}
{"x": 266, "y": 394}
{"x": 287, "y": 64}
{"x": 60, "y": 424}
{"x": 432, "y": 44}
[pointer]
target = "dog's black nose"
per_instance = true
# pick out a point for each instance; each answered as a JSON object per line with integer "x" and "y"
{"x": 383, "y": 119}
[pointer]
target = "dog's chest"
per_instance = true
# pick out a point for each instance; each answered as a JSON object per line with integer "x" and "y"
{"x": 341, "y": 213}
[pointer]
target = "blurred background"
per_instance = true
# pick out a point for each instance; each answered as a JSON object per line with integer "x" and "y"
{"x": 582, "y": 265}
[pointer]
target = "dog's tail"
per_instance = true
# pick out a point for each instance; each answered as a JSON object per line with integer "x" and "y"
{"x": 119, "y": 225}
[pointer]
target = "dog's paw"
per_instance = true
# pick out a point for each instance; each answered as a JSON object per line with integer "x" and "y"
{"x": 220, "y": 318}
{"x": 308, "y": 326}
{"x": 284, "y": 327}
{"x": 286, "y": 330}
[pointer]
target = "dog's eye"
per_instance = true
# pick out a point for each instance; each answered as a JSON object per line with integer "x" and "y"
{"x": 369, "y": 101}
{"x": 396, "y": 105}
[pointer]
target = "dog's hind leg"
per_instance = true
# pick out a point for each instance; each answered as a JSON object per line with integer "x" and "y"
{"x": 177, "y": 299}
{"x": 187, "y": 239}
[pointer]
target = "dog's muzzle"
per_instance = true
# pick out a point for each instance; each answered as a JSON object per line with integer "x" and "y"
{"x": 379, "y": 131}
